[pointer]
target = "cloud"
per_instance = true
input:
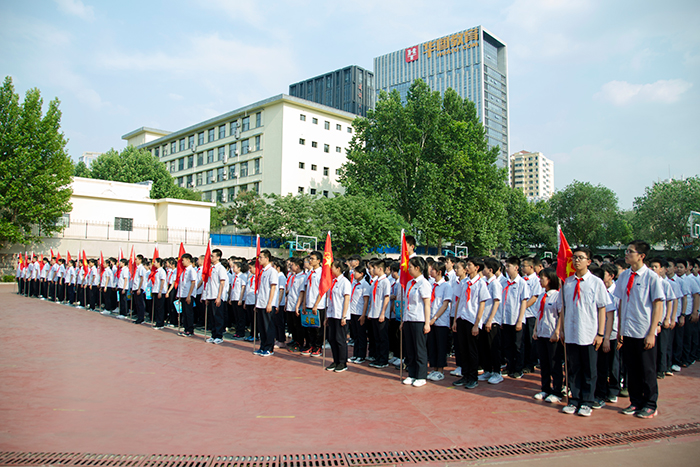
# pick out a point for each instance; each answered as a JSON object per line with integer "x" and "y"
{"x": 76, "y": 8}
{"x": 621, "y": 93}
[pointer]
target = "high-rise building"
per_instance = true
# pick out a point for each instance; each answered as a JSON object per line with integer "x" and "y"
{"x": 473, "y": 62}
{"x": 350, "y": 89}
{"x": 280, "y": 145}
{"x": 532, "y": 173}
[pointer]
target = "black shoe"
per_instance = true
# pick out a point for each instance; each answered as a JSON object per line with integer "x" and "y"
{"x": 528, "y": 370}
{"x": 341, "y": 368}
{"x": 471, "y": 385}
{"x": 460, "y": 382}
{"x": 516, "y": 375}
{"x": 331, "y": 367}
{"x": 598, "y": 404}
{"x": 138, "y": 322}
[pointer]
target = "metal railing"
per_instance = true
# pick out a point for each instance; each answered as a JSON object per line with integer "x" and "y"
{"x": 97, "y": 230}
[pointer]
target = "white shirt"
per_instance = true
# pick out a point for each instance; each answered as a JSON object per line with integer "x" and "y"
{"x": 379, "y": 289}
{"x": 185, "y": 284}
{"x": 106, "y": 278}
{"x": 211, "y": 288}
{"x": 478, "y": 292}
{"x": 417, "y": 290}
{"x": 123, "y": 281}
{"x": 359, "y": 291}
{"x": 496, "y": 291}
{"x": 690, "y": 287}
{"x": 636, "y": 309}
{"x": 236, "y": 285}
{"x": 678, "y": 292}
{"x": 94, "y": 276}
{"x": 535, "y": 290}
{"x": 160, "y": 276}
{"x": 281, "y": 287}
{"x": 514, "y": 292}
{"x": 670, "y": 297}
{"x": 340, "y": 288}
{"x": 200, "y": 289}
{"x": 297, "y": 284}
{"x": 312, "y": 285}
{"x": 547, "y": 323}
{"x": 441, "y": 292}
{"x": 250, "y": 289}
{"x": 613, "y": 306}
{"x": 581, "y": 312}
{"x": 268, "y": 278}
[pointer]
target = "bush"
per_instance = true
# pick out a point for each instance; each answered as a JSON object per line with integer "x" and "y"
{"x": 8, "y": 278}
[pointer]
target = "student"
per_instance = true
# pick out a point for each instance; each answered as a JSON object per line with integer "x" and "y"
{"x": 359, "y": 302}
{"x": 659, "y": 266}
{"x": 265, "y": 301}
{"x": 212, "y": 294}
{"x": 440, "y": 299}
{"x": 516, "y": 293}
{"x": 411, "y": 246}
{"x": 377, "y": 313}
{"x": 51, "y": 279}
{"x": 530, "y": 267}
{"x": 690, "y": 337}
{"x": 43, "y": 278}
{"x": 490, "y": 336}
{"x": 583, "y": 302}
{"x": 280, "y": 315}
{"x": 416, "y": 323}
{"x": 248, "y": 294}
{"x": 314, "y": 302}
{"x": 546, "y": 337}
{"x": 675, "y": 325}
{"x": 61, "y": 281}
{"x": 160, "y": 288}
{"x": 200, "y": 308}
{"x": 237, "y": 286}
{"x": 81, "y": 297}
{"x": 123, "y": 286}
{"x": 470, "y": 304}
{"x": 70, "y": 280}
{"x": 395, "y": 300}
{"x": 641, "y": 307}
{"x": 105, "y": 283}
{"x": 608, "y": 362}
{"x": 186, "y": 290}
{"x": 296, "y": 289}
{"x": 338, "y": 315}
{"x": 138, "y": 290}
{"x": 93, "y": 280}
{"x": 684, "y": 304}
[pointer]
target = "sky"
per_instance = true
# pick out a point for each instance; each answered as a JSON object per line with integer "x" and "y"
{"x": 609, "y": 90}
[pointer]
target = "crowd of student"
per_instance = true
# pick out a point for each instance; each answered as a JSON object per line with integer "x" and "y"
{"x": 619, "y": 324}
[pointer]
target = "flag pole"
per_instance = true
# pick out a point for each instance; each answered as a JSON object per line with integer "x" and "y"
{"x": 561, "y": 318}
{"x": 206, "y": 315}
{"x": 255, "y": 319}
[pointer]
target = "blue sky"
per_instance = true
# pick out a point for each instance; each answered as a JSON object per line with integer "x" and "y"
{"x": 609, "y": 90}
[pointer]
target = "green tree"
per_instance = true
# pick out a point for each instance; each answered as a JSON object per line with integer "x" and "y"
{"x": 661, "y": 214}
{"x": 284, "y": 217}
{"x": 35, "y": 171}
{"x": 134, "y": 165}
{"x": 81, "y": 170}
{"x": 246, "y": 212}
{"x": 589, "y": 215}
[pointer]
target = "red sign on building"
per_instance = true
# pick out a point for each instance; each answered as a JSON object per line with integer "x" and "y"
{"x": 412, "y": 54}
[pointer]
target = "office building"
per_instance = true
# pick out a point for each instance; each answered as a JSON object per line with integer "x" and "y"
{"x": 473, "y": 62}
{"x": 532, "y": 173}
{"x": 280, "y": 145}
{"x": 350, "y": 89}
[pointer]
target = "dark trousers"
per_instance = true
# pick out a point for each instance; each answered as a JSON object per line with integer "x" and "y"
{"x": 187, "y": 315}
{"x": 199, "y": 311}
{"x": 490, "y": 349}
{"x": 468, "y": 348}
{"x": 252, "y": 321}
{"x": 93, "y": 294}
{"x": 266, "y": 325}
{"x": 239, "y": 316}
{"x": 513, "y": 347}
{"x": 159, "y": 310}
{"x": 416, "y": 349}
{"x": 36, "y": 287}
{"x": 80, "y": 290}
{"x": 218, "y": 317}
{"x": 452, "y": 339}
{"x": 583, "y": 373}
{"x": 170, "y": 310}
{"x": 690, "y": 341}
{"x": 123, "y": 303}
{"x": 381, "y": 340}
{"x": 294, "y": 327}
{"x": 337, "y": 338}
{"x": 278, "y": 318}
{"x": 314, "y": 336}
{"x": 678, "y": 337}
{"x": 530, "y": 356}
{"x": 608, "y": 365}
{"x": 43, "y": 288}
{"x": 395, "y": 337}
{"x": 662, "y": 341}
{"x": 371, "y": 342}
{"x": 140, "y": 305}
{"x": 360, "y": 333}
{"x": 551, "y": 360}
{"x": 437, "y": 346}
{"x": 641, "y": 373}
{"x": 71, "y": 293}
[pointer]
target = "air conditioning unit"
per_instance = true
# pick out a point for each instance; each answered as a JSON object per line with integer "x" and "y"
{"x": 225, "y": 176}
{"x": 190, "y": 184}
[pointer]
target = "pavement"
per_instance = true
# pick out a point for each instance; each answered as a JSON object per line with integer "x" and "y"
{"x": 74, "y": 380}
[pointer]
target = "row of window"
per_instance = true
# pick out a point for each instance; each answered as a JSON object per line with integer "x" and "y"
{"x": 219, "y": 175}
{"x": 314, "y": 167}
{"x": 222, "y": 195}
{"x": 326, "y": 147}
{"x": 326, "y": 123}
{"x": 218, "y": 154}
{"x": 312, "y": 191}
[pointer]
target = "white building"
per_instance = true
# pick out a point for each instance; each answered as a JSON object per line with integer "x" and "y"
{"x": 279, "y": 145}
{"x": 88, "y": 157}
{"x": 532, "y": 173}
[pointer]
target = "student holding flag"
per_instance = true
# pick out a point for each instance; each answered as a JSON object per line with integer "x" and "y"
{"x": 215, "y": 280}
{"x": 338, "y": 316}
{"x": 416, "y": 323}
{"x": 265, "y": 301}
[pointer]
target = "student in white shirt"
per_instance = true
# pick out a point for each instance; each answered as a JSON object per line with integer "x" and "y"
{"x": 359, "y": 301}
{"x": 516, "y": 293}
{"x": 641, "y": 307}
{"x": 490, "y": 334}
{"x": 416, "y": 323}
{"x": 186, "y": 290}
{"x": 338, "y": 315}
{"x": 314, "y": 302}
{"x": 691, "y": 340}
{"x": 200, "y": 308}
{"x": 280, "y": 315}
{"x": 160, "y": 288}
{"x": 93, "y": 281}
{"x": 295, "y": 286}
{"x": 440, "y": 299}
{"x": 378, "y": 313}
{"x": 237, "y": 284}
{"x": 265, "y": 304}
{"x": 529, "y": 266}
{"x": 546, "y": 337}
{"x": 123, "y": 287}
{"x": 608, "y": 364}
{"x": 678, "y": 292}
{"x": 70, "y": 280}
{"x": 248, "y": 298}
{"x": 45, "y": 267}
{"x": 138, "y": 290}
{"x": 105, "y": 282}
{"x": 664, "y": 335}
{"x": 212, "y": 294}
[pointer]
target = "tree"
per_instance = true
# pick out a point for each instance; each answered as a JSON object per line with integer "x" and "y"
{"x": 81, "y": 170}
{"x": 134, "y": 165}
{"x": 529, "y": 224}
{"x": 430, "y": 161}
{"x": 285, "y": 217}
{"x": 245, "y": 212}
{"x": 661, "y": 214}
{"x": 35, "y": 171}
{"x": 589, "y": 215}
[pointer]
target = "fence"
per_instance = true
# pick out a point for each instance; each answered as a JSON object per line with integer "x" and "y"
{"x": 95, "y": 230}
{"x": 247, "y": 241}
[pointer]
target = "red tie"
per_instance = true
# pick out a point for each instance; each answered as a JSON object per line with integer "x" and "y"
{"x": 629, "y": 284}
{"x": 289, "y": 280}
{"x": 234, "y": 281}
{"x": 526, "y": 278}
{"x": 353, "y": 290}
{"x": 505, "y": 299}
{"x": 330, "y": 293}
{"x": 374, "y": 291}
{"x": 432, "y": 295}
{"x": 544, "y": 298}
{"x": 408, "y": 294}
{"x": 469, "y": 288}
{"x": 577, "y": 290}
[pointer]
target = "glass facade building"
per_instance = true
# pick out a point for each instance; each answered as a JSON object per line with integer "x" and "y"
{"x": 473, "y": 62}
{"x": 350, "y": 89}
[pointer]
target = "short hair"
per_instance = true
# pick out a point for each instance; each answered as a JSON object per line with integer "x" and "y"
{"x": 317, "y": 254}
{"x": 682, "y": 261}
{"x": 596, "y": 271}
{"x": 340, "y": 264}
{"x": 123, "y": 261}
{"x": 224, "y": 263}
{"x": 418, "y": 262}
{"x": 411, "y": 240}
{"x": 266, "y": 253}
{"x": 527, "y": 260}
{"x": 139, "y": 257}
{"x": 641, "y": 246}
{"x": 395, "y": 266}
{"x": 610, "y": 268}
{"x": 451, "y": 259}
{"x": 598, "y": 258}
{"x": 378, "y": 263}
{"x": 298, "y": 261}
{"x": 440, "y": 267}
{"x": 536, "y": 262}
{"x": 361, "y": 269}
{"x": 583, "y": 249}
{"x": 621, "y": 263}
{"x": 156, "y": 260}
{"x": 492, "y": 263}
{"x": 187, "y": 256}
{"x": 551, "y": 275}
{"x": 514, "y": 260}
{"x": 476, "y": 262}
{"x": 354, "y": 257}
{"x": 244, "y": 266}
{"x": 216, "y": 252}
{"x": 659, "y": 260}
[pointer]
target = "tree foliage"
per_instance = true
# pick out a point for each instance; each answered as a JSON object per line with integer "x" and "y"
{"x": 134, "y": 165}
{"x": 35, "y": 171}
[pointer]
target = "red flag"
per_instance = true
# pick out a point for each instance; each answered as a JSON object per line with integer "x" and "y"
{"x": 26, "y": 261}
{"x": 19, "y": 261}
{"x": 102, "y": 265}
{"x": 41, "y": 257}
{"x": 85, "y": 263}
{"x": 206, "y": 265}
{"x": 121, "y": 254}
{"x": 565, "y": 264}
{"x": 68, "y": 258}
{"x": 51, "y": 253}
{"x": 258, "y": 269}
{"x": 132, "y": 264}
{"x": 180, "y": 267}
{"x": 154, "y": 269}
{"x": 58, "y": 255}
{"x": 119, "y": 263}
{"x": 326, "y": 276}
{"x": 404, "y": 276}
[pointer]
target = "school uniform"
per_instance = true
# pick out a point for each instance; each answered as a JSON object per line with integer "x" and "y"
{"x": 80, "y": 287}
{"x": 93, "y": 280}
{"x": 608, "y": 363}
{"x": 36, "y": 282}
{"x": 690, "y": 338}
{"x": 551, "y": 353}
{"x": 394, "y": 320}
{"x": 51, "y": 281}
{"x": 279, "y": 316}
{"x": 199, "y": 307}
{"x": 672, "y": 344}
{"x": 185, "y": 289}
{"x": 210, "y": 294}
{"x": 123, "y": 286}
{"x": 359, "y": 295}
{"x": 472, "y": 292}
{"x": 514, "y": 293}
{"x": 237, "y": 284}
{"x": 531, "y": 312}
{"x": 170, "y": 297}
{"x": 105, "y": 282}
{"x": 43, "y": 275}
{"x": 61, "y": 281}
{"x": 637, "y": 291}
{"x": 250, "y": 305}
{"x": 295, "y": 285}
{"x": 490, "y": 342}
{"x": 138, "y": 293}
{"x": 665, "y": 334}
{"x": 70, "y": 280}
{"x": 337, "y": 331}
{"x": 268, "y": 286}
{"x": 314, "y": 335}
{"x": 417, "y": 290}
{"x": 160, "y": 287}
{"x": 441, "y": 292}
{"x": 380, "y": 289}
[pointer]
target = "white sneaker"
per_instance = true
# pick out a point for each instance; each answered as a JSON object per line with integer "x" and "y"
{"x": 496, "y": 378}
{"x": 408, "y": 381}
{"x": 121, "y": 317}
{"x": 437, "y": 376}
{"x": 540, "y": 396}
{"x": 395, "y": 361}
{"x": 457, "y": 371}
{"x": 485, "y": 376}
{"x": 675, "y": 368}
{"x": 210, "y": 340}
{"x": 419, "y": 382}
{"x": 552, "y": 399}
{"x": 218, "y": 341}
{"x": 106, "y": 312}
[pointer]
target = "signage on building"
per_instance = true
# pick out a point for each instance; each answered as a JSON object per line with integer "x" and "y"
{"x": 445, "y": 45}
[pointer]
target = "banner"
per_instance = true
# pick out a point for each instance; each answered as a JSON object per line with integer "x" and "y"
{"x": 310, "y": 319}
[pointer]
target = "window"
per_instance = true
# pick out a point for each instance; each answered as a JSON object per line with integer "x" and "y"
{"x": 210, "y": 176}
{"x": 222, "y": 132}
{"x": 200, "y": 138}
{"x": 258, "y": 120}
{"x": 234, "y": 129}
{"x": 337, "y": 149}
{"x": 190, "y": 162}
{"x": 337, "y": 171}
{"x": 220, "y": 196}
{"x": 232, "y": 151}
{"x": 232, "y": 172}
{"x": 244, "y": 169}
{"x": 189, "y": 181}
{"x": 199, "y": 179}
{"x": 326, "y": 148}
{"x": 172, "y": 166}
{"x": 222, "y": 152}
{"x": 211, "y": 135}
{"x": 156, "y": 152}
{"x": 325, "y": 193}
{"x": 124, "y": 224}
{"x": 243, "y": 188}
{"x": 325, "y": 171}
{"x": 173, "y": 147}
{"x": 200, "y": 159}
{"x": 246, "y": 123}
{"x": 257, "y": 166}
{"x": 220, "y": 174}
{"x": 206, "y": 196}
{"x": 302, "y": 141}
{"x": 244, "y": 146}
{"x": 301, "y": 165}
{"x": 313, "y": 167}
{"x": 314, "y": 144}
{"x": 338, "y": 126}
{"x": 181, "y": 164}
{"x": 312, "y": 191}
{"x": 327, "y": 125}
{"x": 302, "y": 117}
{"x": 257, "y": 143}
{"x": 190, "y": 142}
{"x": 179, "y": 181}
{"x": 314, "y": 121}
{"x": 232, "y": 194}
{"x": 349, "y": 129}
{"x": 210, "y": 156}
{"x": 300, "y": 190}
{"x": 182, "y": 144}
{"x": 165, "y": 150}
